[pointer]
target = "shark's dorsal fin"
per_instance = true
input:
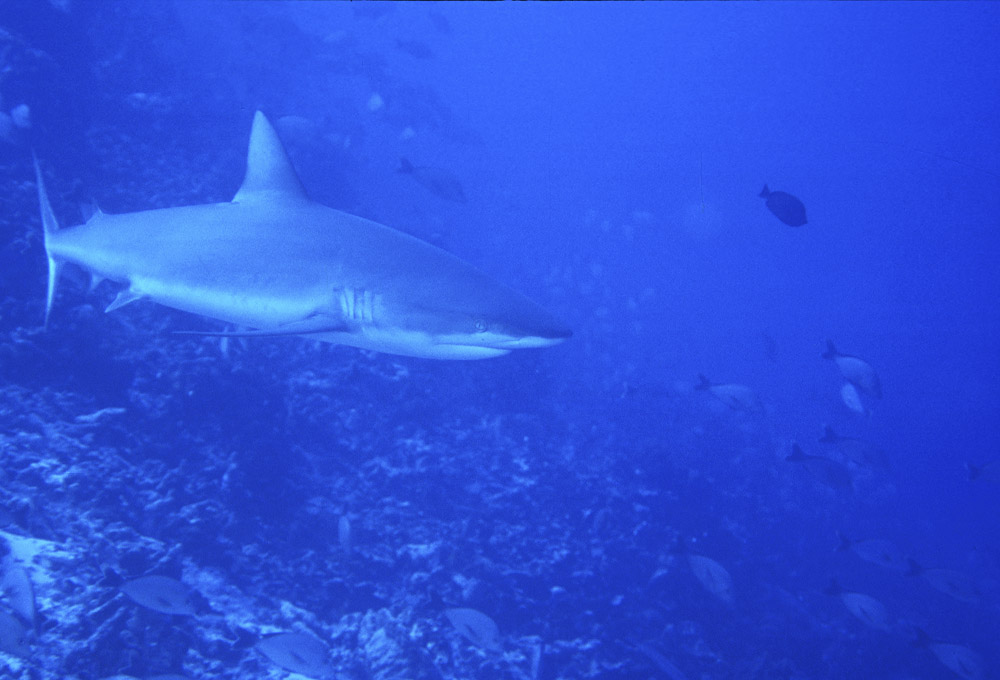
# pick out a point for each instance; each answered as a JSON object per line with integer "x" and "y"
{"x": 269, "y": 172}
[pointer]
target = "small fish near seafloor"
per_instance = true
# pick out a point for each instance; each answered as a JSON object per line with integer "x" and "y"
{"x": 865, "y": 608}
{"x": 477, "y": 627}
{"x": 785, "y": 207}
{"x": 876, "y": 551}
{"x": 161, "y": 594}
{"x": 300, "y": 653}
{"x": 712, "y": 576}
{"x": 438, "y": 181}
{"x": 735, "y": 396}
{"x": 277, "y": 262}
{"x": 861, "y": 452}
{"x": 959, "y": 659}
{"x": 830, "y": 472}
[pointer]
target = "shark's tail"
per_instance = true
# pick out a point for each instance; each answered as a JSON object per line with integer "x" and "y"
{"x": 49, "y": 227}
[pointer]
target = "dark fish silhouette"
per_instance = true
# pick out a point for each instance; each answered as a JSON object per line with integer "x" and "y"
{"x": 987, "y": 471}
{"x": 735, "y": 396}
{"x": 866, "y": 608}
{"x": 875, "y": 550}
{"x": 439, "y": 182}
{"x": 859, "y": 451}
{"x": 785, "y": 207}
{"x": 830, "y": 472}
{"x": 415, "y": 48}
{"x": 952, "y": 583}
{"x": 440, "y": 22}
{"x": 959, "y": 659}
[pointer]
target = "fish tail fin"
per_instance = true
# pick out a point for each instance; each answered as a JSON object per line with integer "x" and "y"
{"x": 405, "y": 166}
{"x": 49, "y": 227}
{"x": 831, "y": 350}
{"x": 797, "y": 454}
{"x": 765, "y": 192}
{"x": 703, "y": 382}
{"x": 973, "y": 470}
{"x": 845, "y": 542}
{"x": 244, "y": 639}
{"x": 834, "y": 588}
{"x": 110, "y": 578}
{"x": 915, "y": 568}
{"x": 921, "y": 639}
{"x": 829, "y": 435}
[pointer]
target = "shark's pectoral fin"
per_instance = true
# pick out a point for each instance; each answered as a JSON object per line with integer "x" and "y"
{"x": 123, "y": 298}
{"x": 313, "y": 324}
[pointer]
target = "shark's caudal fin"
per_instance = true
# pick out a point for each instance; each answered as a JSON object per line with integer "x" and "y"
{"x": 49, "y": 227}
{"x": 269, "y": 172}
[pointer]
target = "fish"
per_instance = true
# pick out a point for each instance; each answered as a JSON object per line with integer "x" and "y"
{"x": 300, "y": 653}
{"x": 859, "y": 451}
{"x": 826, "y": 470}
{"x": 476, "y": 627}
{"x": 987, "y": 472}
{"x": 13, "y": 635}
{"x": 276, "y": 262}
{"x": 712, "y": 576}
{"x": 952, "y": 583}
{"x": 161, "y": 594}
{"x": 372, "y": 10}
{"x": 438, "y": 181}
{"x": 660, "y": 661}
{"x": 440, "y": 22}
{"x": 21, "y": 116}
{"x": 852, "y": 399}
{"x": 785, "y": 207}
{"x": 856, "y": 371}
{"x": 18, "y": 589}
{"x": 344, "y": 533}
{"x": 865, "y": 608}
{"x": 415, "y": 48}
{"x": 875, "y": 550}
{"x": 959, "y": 659}
{"x": 735, "y": 396}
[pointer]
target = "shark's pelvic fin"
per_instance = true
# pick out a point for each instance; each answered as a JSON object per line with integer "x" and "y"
{"x": 269, "y": 172}
{"x": 123, "y": 298}
{"x": 90, "y": 210}
{"x": 95, "y": 281}
{"x": 49, "y": 227}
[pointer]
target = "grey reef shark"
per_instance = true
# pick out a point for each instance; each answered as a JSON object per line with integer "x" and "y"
{"x": 276, "y": 262}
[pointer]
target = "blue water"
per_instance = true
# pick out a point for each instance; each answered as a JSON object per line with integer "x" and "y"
{"x": 612, "y": 157}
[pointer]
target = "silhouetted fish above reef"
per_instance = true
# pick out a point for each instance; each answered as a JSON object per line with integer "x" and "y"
{"x": 785, "y": 207}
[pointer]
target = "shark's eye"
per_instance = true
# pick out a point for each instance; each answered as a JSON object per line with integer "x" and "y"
{"x": 480, "y": 326}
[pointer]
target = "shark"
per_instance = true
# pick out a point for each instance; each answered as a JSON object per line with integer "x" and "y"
{"x": 276, "y": 263}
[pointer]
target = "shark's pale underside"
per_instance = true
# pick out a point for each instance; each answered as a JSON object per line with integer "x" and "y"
{"x": 277, "y": 262}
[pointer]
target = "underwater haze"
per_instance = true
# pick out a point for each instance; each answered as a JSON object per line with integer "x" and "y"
{"x": 768, "y": 449}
